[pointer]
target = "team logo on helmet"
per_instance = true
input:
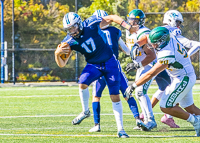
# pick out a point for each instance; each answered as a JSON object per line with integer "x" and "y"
{"x": 173, "y": 15}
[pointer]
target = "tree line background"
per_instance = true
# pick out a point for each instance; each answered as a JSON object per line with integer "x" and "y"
{"x": 38, "y": 25}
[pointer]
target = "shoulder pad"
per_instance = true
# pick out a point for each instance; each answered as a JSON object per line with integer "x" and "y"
{"x": 143, "y": 31}
{"x": 176, "y": 32}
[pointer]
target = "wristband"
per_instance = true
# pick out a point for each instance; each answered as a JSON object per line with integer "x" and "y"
{"x": 125, "y": 25}
{"x": 134, "y": 85}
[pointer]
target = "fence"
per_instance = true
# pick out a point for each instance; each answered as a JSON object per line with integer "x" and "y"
{"x": 35, "y": 62}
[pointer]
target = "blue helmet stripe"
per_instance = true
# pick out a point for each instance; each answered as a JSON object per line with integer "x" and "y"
{"x": 99, "y": 13}
{"x": 67, "y": 19}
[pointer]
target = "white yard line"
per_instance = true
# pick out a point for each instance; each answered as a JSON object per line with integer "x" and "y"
{"x": 63, "y": 87}
{"x": 68, "y": 135}
{"x": 33, "y": 96}
{"x": 42, "y": 96}
{"x": 41, "y": 116}
{"x": 66, "y": 127}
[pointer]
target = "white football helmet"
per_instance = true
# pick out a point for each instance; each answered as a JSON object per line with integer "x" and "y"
{"x": 171, "y": 18}
{"x": 72, "y": 24}
{"x": 100, "y": 13}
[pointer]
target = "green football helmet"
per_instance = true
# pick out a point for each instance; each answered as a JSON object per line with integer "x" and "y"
{"x": 159, "y": 36}
{"x": 137, "y": 14}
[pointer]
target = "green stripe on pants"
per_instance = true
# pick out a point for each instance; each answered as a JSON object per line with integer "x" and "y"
{"x": 177, "y": 92}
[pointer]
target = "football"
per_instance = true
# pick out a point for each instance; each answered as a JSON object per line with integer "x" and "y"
{"x": 65, "y": 56}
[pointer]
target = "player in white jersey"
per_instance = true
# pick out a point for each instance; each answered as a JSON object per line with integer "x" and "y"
{"x": 171, "y": 55}
{"x": 173, "y": 22}
{"x": 144, "y": 62}
{"x": 162, "y": 79}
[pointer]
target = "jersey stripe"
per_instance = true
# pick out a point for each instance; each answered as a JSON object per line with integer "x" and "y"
{"x": 143, "y": 33}
{"x": 171, "y": 56}
{"x": 173, "y": 96}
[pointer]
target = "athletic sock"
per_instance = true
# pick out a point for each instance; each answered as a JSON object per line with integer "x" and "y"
{"x": 191, "y": 119}
{"x": 169, "y": 116}
{"x": 143, "y": 111}
{"x": 96, "y": 111}
{"x": 118, "y": 112}
{"x": 84, "y": 95}
{"x": 142, "y": 108}
{"x": 146, "y": 103}
{"x": 133, "y": 107}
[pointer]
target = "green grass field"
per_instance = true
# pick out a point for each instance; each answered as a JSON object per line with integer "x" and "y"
{"x": 44, "y": 114}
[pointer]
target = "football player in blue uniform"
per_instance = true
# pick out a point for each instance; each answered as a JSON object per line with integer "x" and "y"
{"x": 114, "y": 39}
{"x": 87, "y": 38}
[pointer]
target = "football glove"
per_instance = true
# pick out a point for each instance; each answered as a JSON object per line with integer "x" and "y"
{"x": 129, "y": 91}
{"x": 133, "y": 66}
{"x": 135, "y": 51}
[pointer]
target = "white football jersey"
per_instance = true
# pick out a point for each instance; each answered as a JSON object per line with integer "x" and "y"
{"x": 183, "y": 40}
{"x": 131, "y": 39}
{"x": 173, "y": 30}
{"x": 176, "y": 56}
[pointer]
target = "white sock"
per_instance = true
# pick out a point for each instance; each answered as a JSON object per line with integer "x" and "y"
{"x": 169, "y": 116}
{"x": 84, "y": 95}
{"x": 143, "y": 111}
{"x": 158, "y": 94}
{"x": 146, "y": 103}
{"x": 118, "y": 112}
{"x": 142, "y": 108}
{"x": 191, "y": 119}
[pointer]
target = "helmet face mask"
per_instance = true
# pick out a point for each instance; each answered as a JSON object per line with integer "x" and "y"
{"x": 158, "y": 38}
{"x": 72, "y": 24}
{"x": 136, "y": 14}
{"x": 173, "y": 18}
{"x": 179, "y": 24}
{"x": 72, "y": 30}
{"x": 133, "y": 21}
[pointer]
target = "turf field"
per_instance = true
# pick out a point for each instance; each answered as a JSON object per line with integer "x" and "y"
{"x": 44, "y": 114}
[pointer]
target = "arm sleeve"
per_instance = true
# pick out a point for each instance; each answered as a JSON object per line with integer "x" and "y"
{"x": 184, "y": 41}
{"x": 123, "y": 46}
{"x": 193, "y": 45}
{"x": 195, "y": 48}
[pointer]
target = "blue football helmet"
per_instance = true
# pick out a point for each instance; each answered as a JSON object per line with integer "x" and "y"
{"x": 100, "y": 13}
{"x": 72, "y": 24}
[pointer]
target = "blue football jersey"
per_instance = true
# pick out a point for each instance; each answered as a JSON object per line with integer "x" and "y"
{"x": 113, "y": 34}
{"x": 92, "y": 43}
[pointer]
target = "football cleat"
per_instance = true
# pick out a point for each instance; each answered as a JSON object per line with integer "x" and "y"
{"x": 96, "y": 128}
{"x": 151, "y": 124}
{"x": 141, "y": 125}
{"x": 169, "y": 121}
{"x": 196, "y": 125}
{"x": 81, "y": 117}
{"x": 122, "y": 134}
{"x": 136, "y": 128}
